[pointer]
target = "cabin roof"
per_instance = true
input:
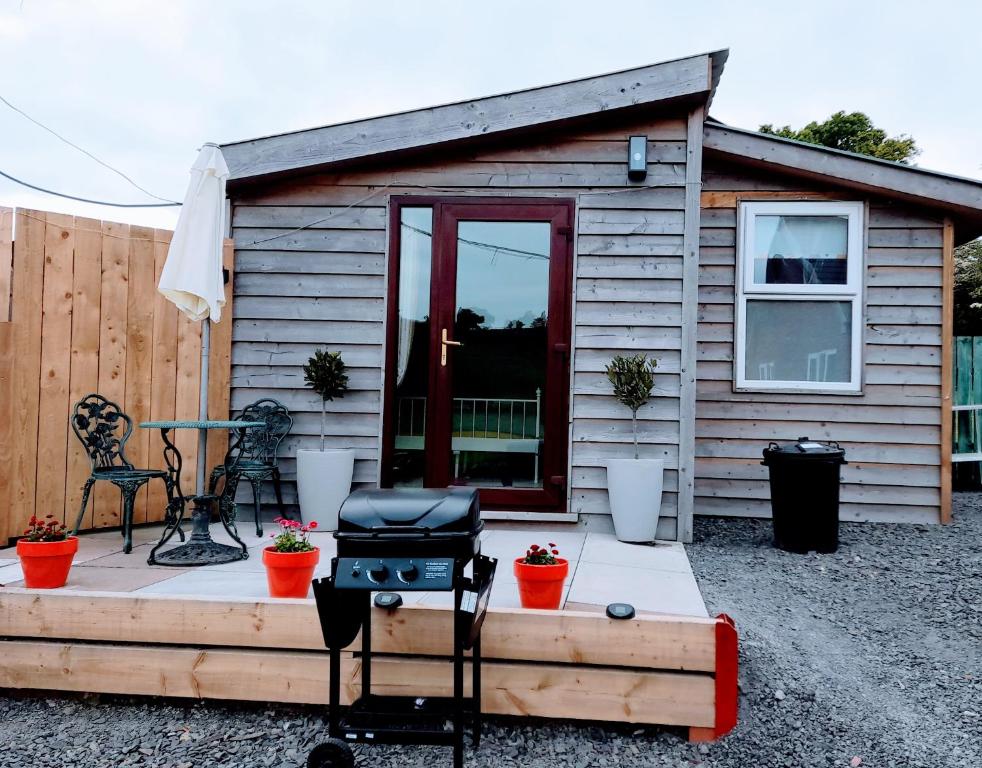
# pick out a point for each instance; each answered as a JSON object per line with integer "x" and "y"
{"x": 685, "y": 81}
{"x": 691, "y": 79}
{"x": 960, "y": 196}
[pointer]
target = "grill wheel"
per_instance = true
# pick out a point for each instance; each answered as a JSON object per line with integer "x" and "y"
{"x": 333, "y": 753}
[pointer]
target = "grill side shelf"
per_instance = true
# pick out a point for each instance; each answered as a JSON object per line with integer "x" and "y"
{"x": 475, "y": 596}
{"x": 340, "y": 612}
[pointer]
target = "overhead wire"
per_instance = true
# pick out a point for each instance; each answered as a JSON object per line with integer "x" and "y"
{"x": 85, "y": 152}
{"x": 495, "y": 249}
{"x": 172, "y": 203}
{"x": 397, "y": 183}
{"x": 84, "y": 199}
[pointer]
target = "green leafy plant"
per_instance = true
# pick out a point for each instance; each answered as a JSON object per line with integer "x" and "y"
{"x": 294, "y": 536}
{"x": 536, "y": 555}
{"x": 324, "y": 373}
{"x": 968, "y": 289}
{"x": 853, "y": 132}
{"x": 633, "y": 378}
{"x": 48, "y": 529}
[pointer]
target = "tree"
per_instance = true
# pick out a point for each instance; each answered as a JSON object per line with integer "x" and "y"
{"x": 468, "y": 320}
{"x": 324, "y": 373}
{"x": 968, "y": 289}
{"x": 854, "y": 132}
{"x": 632, "y": 378}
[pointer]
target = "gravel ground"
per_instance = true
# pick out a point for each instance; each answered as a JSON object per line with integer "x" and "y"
{"x": 869, "y": 657}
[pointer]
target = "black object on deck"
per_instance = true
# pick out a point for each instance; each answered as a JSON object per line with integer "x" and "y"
{"x": 805, "y": 494}
{"x": 403, "y": 540}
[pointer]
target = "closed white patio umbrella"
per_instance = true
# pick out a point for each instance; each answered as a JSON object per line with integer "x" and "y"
{"x": 192, "y": 276}
{"x": 193, "y": 279}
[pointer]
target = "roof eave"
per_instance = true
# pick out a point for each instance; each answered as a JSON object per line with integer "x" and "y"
{"x": 320, "y": 148}
{"x": 961, "y": 197}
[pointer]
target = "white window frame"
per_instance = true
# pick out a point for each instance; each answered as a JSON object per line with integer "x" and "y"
{"x": 747, "y": 289}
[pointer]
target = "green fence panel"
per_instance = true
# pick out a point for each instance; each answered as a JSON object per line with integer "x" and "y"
{"x": 967, "y": 427}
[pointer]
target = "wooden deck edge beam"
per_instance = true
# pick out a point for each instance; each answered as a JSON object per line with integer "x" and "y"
{"x": 296, "y": 677}
{"x": 565, "y": 637}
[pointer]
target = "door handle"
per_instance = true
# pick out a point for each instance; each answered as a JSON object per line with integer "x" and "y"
{"x": 444, "y": 343}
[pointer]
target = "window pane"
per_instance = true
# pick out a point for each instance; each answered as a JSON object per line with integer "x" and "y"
{"x": 412, "y": 345}
{"x": 499, "y": 373}
{"x": 799, "y": 341}
{"x": 800, "y": 250}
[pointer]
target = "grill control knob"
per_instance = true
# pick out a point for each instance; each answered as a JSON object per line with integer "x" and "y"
{"x": 378, "y": 572}
{"x": 408, "y": 574}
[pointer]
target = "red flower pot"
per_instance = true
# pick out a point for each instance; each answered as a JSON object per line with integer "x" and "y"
{"x": 541, "y": 586}
{"x": 289, "y": 573}
{"x": 46, "y": 563}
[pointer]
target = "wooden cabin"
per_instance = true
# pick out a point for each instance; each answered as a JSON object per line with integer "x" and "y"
{"x": 784, "y": 290}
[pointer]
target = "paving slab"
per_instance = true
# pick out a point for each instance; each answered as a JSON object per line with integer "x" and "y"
{"x": 95, "y": 579}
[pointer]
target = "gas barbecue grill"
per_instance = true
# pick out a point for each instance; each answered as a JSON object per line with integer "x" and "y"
{"x": 403, "y": 540}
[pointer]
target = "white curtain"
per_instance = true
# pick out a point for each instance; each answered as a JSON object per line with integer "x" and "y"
{"x": 414, "y": 257}
{"x": 804, "y": 237}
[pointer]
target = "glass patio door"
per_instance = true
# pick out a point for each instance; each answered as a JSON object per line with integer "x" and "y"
{"x": 478, "y": 378}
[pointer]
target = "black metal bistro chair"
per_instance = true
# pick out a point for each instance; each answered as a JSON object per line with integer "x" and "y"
{"x": 103, "y": 429}
{"x": 257, "y": 455}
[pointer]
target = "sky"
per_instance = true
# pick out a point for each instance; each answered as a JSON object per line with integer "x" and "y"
{"x": 142, "y": 84}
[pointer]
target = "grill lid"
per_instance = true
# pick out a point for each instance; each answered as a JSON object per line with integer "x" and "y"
{"x": 411, "y": 510}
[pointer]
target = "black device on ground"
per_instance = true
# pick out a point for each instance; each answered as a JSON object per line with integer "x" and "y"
{"x": 804, "y": 478}
{"x": 406, "y": 540}
{"x": 620, "y": 611}
{"x": 389, "y": 600}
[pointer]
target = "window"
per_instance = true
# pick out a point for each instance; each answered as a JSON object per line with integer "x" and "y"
{"x": 799, "y": 296}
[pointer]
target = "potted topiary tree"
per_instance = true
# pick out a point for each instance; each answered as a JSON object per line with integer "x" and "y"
{"x": 634, "y": 486}
{"x": 324, "y": 477}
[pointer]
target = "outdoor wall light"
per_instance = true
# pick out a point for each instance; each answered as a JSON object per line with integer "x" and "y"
{"x": 637, "y": 158}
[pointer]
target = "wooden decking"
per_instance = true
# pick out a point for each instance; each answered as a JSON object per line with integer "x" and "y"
{"x": 578, "y": 664}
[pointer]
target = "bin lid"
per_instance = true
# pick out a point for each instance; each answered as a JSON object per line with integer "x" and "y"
{"x": 805, "y": 449}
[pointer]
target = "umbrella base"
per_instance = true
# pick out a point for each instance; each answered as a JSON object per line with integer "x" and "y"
{"x": 200, "y": 553}
{"x": 201, "y": 549}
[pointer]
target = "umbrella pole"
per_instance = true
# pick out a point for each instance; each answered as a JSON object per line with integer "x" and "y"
{"x": 203, "y": 406}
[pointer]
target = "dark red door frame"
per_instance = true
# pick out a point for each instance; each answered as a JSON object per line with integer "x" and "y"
{"x": 447, "y": 212}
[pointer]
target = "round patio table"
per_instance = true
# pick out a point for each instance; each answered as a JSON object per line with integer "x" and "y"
{"x": 201, "y": 549}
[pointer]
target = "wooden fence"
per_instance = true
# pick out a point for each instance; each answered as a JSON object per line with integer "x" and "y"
{"x": 80, "y": 313}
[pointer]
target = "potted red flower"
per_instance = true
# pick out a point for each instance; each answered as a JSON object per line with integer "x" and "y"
{"x": 541, "y": 574}
{"x": 46, "y": 552}
{"x": 291, "y": 558}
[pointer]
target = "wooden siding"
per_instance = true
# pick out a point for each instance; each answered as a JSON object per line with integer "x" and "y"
{"x": 892, "y": 431}
{"x": 324, "y": 286}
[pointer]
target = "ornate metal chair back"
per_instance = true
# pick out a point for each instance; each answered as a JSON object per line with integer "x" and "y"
{"x": 262, "y": 443}
{"x": 103, "y": 429}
